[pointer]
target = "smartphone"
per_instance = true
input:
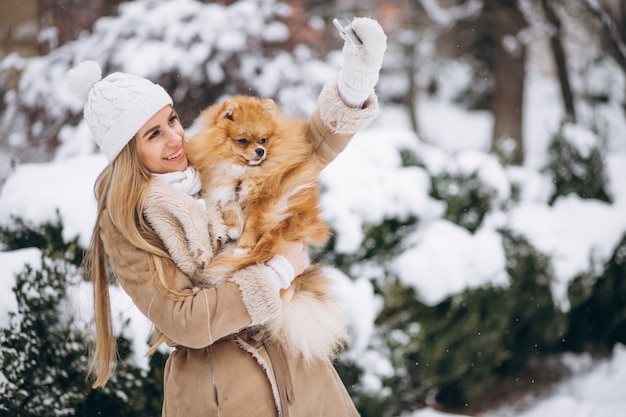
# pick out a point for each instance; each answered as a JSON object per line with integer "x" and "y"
{"x": 346, "y": 32}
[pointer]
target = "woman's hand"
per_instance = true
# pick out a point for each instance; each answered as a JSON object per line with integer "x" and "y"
{"x": 290, "y": 261}
{"x": 296, "y": 254}
{"x": 361, "y": 64}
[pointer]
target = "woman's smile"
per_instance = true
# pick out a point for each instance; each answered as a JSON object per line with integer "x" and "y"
{"x": 177, "y": 155}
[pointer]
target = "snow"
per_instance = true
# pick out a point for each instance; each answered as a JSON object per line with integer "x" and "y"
{"x": 478, "y": 260}
{"x": 595, "y": 389}
{"x": 35, "y": 191}
{"x": 575, "y": 233}
{"x": 366, "y": 184}
{"x": 13, "y": 262}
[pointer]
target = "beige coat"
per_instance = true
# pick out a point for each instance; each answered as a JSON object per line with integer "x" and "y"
{"x": 223, "y": 363}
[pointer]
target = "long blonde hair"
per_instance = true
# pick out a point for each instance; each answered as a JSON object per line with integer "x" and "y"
{"x": 120, "y": 192}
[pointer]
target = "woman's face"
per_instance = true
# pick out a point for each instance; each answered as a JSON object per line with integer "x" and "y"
{"x": 160, "y": 143}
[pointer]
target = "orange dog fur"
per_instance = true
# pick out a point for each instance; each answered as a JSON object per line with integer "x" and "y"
{"x": 260, "y": 170}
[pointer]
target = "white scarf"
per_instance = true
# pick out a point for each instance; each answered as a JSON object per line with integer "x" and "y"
{"x": 187, "y": 181}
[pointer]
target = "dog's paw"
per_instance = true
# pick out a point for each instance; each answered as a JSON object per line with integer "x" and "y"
{"x": 233, "y": 232}
{"x": 201, "y": 258}
{"x": 219, "y": 234}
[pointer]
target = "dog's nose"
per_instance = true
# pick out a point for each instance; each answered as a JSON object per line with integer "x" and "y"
{"x": 259, "y": 152}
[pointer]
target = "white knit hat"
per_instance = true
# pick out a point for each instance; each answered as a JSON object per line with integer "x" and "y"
{"x": 117, "y": 106}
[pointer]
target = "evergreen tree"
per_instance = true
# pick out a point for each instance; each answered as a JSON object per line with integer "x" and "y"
{"x": 467, "y": 198}
{"x": 577, "y": 167}
{"x": 597, "y": 319}
{"x": 43, "y": 350}
{"x": 42, "y": 357}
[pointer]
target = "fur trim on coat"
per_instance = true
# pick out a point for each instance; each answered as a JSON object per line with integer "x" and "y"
{"x": 340, "y": 117}
{"x": 311, "y": 324}
{"x": 190, "y": 233}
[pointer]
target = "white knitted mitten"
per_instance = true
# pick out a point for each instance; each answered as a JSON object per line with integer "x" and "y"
{"x": 361, "y": 64}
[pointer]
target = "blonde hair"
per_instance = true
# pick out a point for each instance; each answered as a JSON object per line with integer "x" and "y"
{"x": 120, "y": 192}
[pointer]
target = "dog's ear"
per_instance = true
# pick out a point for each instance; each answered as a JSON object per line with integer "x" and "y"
{"x": 230, "y": 108}
{"x": 268, "y": 105}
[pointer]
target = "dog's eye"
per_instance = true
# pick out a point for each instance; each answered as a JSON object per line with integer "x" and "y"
{"x": 262, "y": 141}
{"x": 243, "y": 141}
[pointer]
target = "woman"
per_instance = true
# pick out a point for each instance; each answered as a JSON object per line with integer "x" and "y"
{"x": 221, "y": 363}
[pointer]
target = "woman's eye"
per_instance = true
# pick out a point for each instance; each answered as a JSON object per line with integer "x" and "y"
{"x": 243, "y": 141}
{"x": 173, "y": 119}
{"x": 154, "y": 134}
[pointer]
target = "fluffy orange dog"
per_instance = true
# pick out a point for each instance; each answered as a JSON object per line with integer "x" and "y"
{"x": 260, "y": 170}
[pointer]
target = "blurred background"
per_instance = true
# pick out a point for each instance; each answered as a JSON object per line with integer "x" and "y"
{"x": 479, "y": 224}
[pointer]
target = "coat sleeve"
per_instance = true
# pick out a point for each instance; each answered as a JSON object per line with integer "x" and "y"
{"x": 199, "y": 317}
{"x": 333, "y": 124}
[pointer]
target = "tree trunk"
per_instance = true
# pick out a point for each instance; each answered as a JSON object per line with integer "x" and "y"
{"x": 611, "y": 31}
{"x": 560, "y": 60}
{"x": 509, "y": 70}
{"x": 412, "y": 92}
{"x": 507, "y": 104}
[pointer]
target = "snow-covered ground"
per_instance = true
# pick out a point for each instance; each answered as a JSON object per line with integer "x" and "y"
{"x": 595, "y": 389}
{"x": 368, "y": 183}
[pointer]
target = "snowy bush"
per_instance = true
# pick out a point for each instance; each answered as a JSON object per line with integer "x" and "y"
{"x": 576, "y": 163}
{"x": 467, "y": 199}
{"x": 41, "y": 357}
{"x": 44, "y": 346}
{"x": 458, "y": 350}
{"x": 47, "y": 237}
{"x": 471, "y": 186}
{"x": 597, "y": 320}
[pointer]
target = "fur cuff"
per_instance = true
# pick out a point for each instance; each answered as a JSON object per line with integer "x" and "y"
{"x": 341, "y": 118}
{"x": 182, "y": 224}
{"x": 259, "y": 294}
{"x": 311, "y": 324}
